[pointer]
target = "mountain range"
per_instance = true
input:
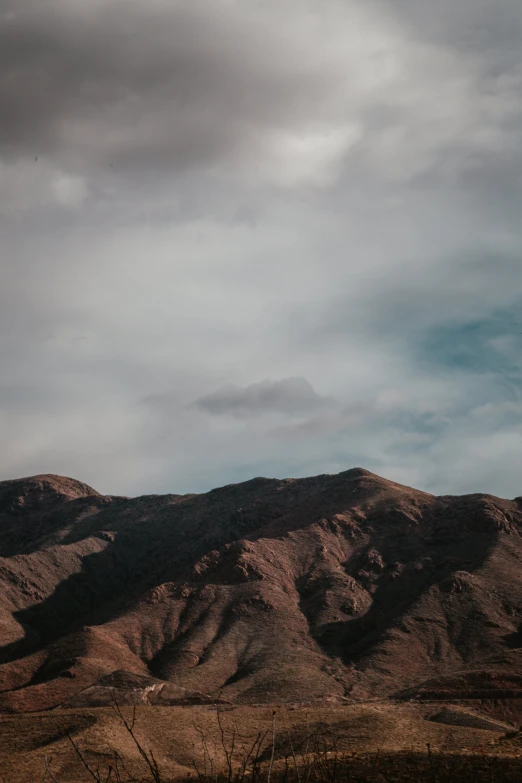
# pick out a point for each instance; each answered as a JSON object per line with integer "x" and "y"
{"x": 333, "y": 588}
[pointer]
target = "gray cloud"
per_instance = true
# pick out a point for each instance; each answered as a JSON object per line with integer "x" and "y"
{"x": 281, "y": 93}
{"x": 289, "y": 396}
{"x": 493, "y": 29}
{"x": 122, "y": 85}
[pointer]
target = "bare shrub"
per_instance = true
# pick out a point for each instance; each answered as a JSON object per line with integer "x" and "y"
{"x": 278, "y": 755}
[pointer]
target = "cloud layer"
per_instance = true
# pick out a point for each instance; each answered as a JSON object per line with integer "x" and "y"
{"x": 196, "y": 196}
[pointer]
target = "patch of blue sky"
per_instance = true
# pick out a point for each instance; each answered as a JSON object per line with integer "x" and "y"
{"x": 489, "y": 348}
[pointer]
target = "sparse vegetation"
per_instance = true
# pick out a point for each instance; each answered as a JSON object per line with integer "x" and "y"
{"x": 277, "y": 754}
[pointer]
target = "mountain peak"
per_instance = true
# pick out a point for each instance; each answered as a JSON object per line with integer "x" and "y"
{"x": 33, "y": 491}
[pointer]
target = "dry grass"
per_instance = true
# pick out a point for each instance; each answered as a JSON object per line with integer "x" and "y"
{"x": 371, "y": 742}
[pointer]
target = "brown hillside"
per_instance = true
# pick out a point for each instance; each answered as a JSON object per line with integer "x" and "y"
{"x": 336, "y": 587}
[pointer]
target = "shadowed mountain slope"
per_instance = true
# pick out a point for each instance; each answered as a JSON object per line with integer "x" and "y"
{"x": 332, "y": 587}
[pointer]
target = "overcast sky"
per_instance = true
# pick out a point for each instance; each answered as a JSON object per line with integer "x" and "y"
{"x": 261, "y": 237}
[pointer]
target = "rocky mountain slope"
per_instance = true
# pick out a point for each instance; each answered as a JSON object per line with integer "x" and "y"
{"x": 335, "y": 587}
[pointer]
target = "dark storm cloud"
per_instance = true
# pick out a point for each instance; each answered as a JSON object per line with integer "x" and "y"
{"x": 289, "y": 395}
{"x": 129, "y": 83}
{"x": 283, "y": 90}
